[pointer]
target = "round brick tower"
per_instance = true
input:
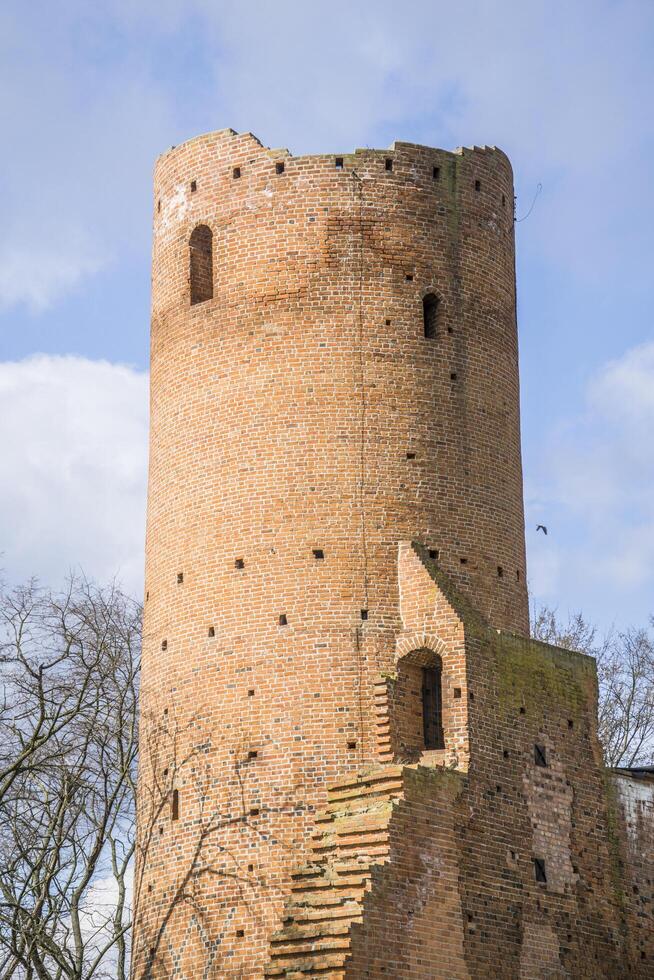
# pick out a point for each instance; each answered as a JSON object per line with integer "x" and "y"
{"x": 334, "y": 370}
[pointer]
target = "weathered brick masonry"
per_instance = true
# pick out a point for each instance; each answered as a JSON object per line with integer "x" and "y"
{"x": 353, "y": 762}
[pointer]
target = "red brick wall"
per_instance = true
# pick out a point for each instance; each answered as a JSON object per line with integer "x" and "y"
{"x": 302, "y": 408}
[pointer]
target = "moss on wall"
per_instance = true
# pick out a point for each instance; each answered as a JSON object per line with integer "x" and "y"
{"x": 533, "y": 673}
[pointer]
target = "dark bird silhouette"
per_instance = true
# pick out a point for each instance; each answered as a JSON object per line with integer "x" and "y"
{"x": 541, "y": 527}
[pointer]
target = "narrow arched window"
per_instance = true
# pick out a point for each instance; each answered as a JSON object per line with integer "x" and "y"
{"x": 432, "y": 707}
{"x": 201, "y": 264}
{"x": 430, "y": 304}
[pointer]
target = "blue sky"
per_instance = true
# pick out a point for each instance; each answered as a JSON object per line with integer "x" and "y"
{"x": 90, "y": 94}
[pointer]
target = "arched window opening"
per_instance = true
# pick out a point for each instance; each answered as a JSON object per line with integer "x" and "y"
{"x": 430, "y": 304}
{"x": 432, "y": 708}
{"x": 417, "y": 715}
{"x": 201, "y": 264}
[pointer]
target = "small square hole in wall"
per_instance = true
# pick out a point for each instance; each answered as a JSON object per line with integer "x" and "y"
{"x": 409, "y": 277}
{"x": 279, "y": 168}
{"x": 540, "y": 756}
{"x": 254, "y": 812}
{"x": 240, "y": 933}
{"x": 500, "y": 571}
{"x": 388, "y": 323}
{"x": 505, "y": 753}
{"x": 165, "y": 711}
{"x": 477, "y": 185}
{"x": 503, "y": 200}
{"x": 250, "y": 867}
{"x": 364, "y": 614}
{"x": 165, "y": 773}
{"x": 388, "y": 163}
{"x": 150, "y": 888}
{"x": 471, "y": 695}
{"x": 523, "y": 710}
{"x": 212, "y": 631}
{"x": 338, "y": 162}
{"x": 571, "y": 723}
{"x": 410, "y": 455}
{"x": 161, "y": 831}
{"x": 180, "y": 578}
{"x": 318, "y": 554}
{"x": 433, "y": 554}
{"x": 236, "y": 173}
{"x": 239, "y": 563}
{"x": 351, "y": 745}
{"x": 164, "y": 644}
{"x": 457, "y": 692}
{"x": 251, "y": 692}
{"x": 517, "y": 574}
{"x": 450, "y": 329}
{"x": 539, "y": 870}
{"x": 436, "y": 173}
{"x": 453, "y": 376}
{"x": 463, "y": 561}
{"x": 253, "y": 754}
{"x": 283, "y": 621}
{"x": 194, "y": 186}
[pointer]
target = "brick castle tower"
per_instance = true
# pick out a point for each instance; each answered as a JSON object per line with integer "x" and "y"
{"x": 353, "y": 761}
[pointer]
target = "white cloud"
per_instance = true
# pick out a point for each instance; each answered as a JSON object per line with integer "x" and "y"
{"x": 595, "y": 492}
{"x": 623, "y": 392}
{"x": 73, "y": 480}
{"x": 39, "y": 273}
{"x": 99, "y": 909}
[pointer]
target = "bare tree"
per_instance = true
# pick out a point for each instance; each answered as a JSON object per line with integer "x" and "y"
{"x": 625, "y": 670}
{"x": 69, "y": 667}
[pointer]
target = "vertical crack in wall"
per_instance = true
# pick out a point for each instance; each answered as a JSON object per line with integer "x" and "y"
{"x": 358, "y": 192}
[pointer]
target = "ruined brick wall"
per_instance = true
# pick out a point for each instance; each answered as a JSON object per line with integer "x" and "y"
{"x": 414, "y": 923}
{"x": 301, "y": 425}
{"x": 460, "y": 894}
{"x": 537, "y": 792}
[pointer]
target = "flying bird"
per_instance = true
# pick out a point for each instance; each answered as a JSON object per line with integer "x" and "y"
{"x": 541, "y": 527}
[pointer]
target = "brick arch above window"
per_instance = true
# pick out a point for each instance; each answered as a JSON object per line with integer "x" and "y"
{"x": 419, "y": 643}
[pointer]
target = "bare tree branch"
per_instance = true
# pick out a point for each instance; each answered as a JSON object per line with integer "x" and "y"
{"x": 69, "y": 669}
